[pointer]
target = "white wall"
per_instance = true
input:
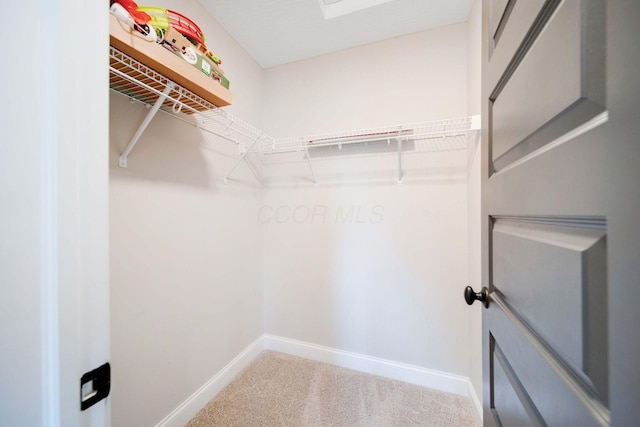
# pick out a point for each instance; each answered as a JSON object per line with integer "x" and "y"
{"x": 375, "y": 270}
{"x": 53, "y": 227}
{"x": 360, "y": 263}
{"x": 200, "y": 269}
{"x": 407, "y": 79}
{"x": 474, "y": 74}
{"x": 186, "y": 280}
{"x": 473, "y": 188}
{"x": 22, "y": 190}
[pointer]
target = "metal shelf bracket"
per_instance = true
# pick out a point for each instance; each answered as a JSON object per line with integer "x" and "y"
{"x": 143, "y": 126}
{"x": 306, "y": 151}
{"x": 399, "y": 161}
{"x": 242, "y": 157}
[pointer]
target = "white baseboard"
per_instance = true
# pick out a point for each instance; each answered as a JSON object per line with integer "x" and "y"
{"x": 372, "y": 365}
{"x": 190, "y": 407}
{"x": 438, "y": 380}
{"x": 476, "y": 402}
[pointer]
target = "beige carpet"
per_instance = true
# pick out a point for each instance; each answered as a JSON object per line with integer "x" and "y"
{"x": 282, "y": 390}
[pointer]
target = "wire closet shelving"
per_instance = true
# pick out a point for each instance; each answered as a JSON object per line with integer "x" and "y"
{"x": 142, "y": 84}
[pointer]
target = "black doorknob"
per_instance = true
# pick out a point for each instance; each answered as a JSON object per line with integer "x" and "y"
{"x": 470, "y": 296}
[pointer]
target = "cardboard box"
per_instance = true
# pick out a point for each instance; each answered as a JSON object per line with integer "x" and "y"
{"x": 182, "y": 47}
{"x": 219, "y": 72}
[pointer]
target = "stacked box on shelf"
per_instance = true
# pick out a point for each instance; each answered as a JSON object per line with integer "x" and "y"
{"x": 182, "y": 47}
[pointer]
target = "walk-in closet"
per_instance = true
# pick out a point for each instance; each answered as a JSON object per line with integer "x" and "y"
{"x": 319, "y": 213}
{"x": 323, "y": 214}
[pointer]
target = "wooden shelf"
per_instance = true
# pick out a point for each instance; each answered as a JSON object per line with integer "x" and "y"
{"x": 164, "y": 62}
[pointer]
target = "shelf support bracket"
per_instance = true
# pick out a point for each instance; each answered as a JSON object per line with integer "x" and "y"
{"x": 226, "y": 178}
{"x": 399, "y": 161}
{"x": 143, "y": 126}
{"x": 306, "y": 151}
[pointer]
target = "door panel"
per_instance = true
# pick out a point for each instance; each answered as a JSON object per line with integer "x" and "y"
{"x": 498, "y": 13}
{"x": 559, "y": 397}
{"x": 511, "y": 402}
{"x": 557, "y": 85}
{"x": 560, "y": 203}
{"x": 552, "y": 275}
{"x": 512, "y": 29}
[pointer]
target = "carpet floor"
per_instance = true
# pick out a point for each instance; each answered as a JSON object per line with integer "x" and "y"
{"x": 282, "y": 390}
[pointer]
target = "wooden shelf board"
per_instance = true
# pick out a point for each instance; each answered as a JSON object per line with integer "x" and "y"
{"x": 166, "y": 63}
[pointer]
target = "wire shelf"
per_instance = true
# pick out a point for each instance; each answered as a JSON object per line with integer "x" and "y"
{"x": 141, "y": 83}
{"x": 136, "y": 80}
{"x": 438, "y": 129}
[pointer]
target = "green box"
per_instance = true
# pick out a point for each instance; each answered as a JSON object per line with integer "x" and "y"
{"x": 195, "y": 58}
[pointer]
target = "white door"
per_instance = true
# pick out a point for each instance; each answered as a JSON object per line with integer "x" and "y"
{"x": 54, "y": 318}
{"x": 561, "y": 208}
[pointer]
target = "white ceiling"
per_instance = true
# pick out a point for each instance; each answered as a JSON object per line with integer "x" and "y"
{"x": 276, "y": 32}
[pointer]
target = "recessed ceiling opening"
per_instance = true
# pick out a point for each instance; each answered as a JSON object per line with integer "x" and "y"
{"x": 334, "y": 8}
